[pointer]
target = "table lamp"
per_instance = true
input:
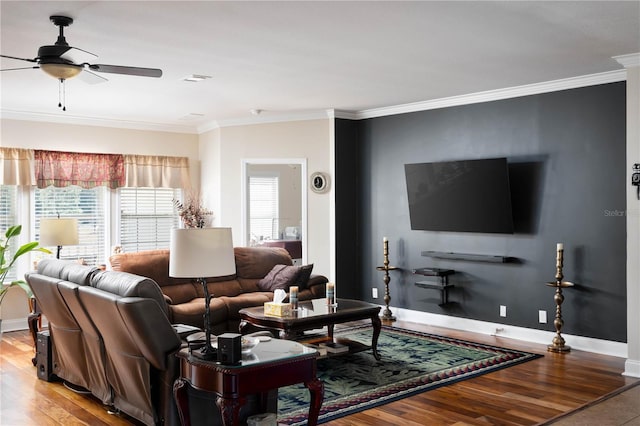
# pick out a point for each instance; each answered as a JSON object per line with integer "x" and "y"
{"x": 202, "y": 253}
{"x": 58, "y": 232}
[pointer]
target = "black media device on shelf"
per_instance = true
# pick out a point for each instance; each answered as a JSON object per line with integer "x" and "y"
{"x": 460, "y": 196}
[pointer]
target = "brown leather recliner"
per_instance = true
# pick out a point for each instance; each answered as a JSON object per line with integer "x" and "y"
{"x": 130, "y": 313}
{"x": 111, "y": 335}
{"x": 78, "y": 357}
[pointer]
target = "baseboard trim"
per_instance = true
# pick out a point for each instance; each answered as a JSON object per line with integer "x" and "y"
{"x": 14, "y": 324}
{"x": 605, "y": 347}
{"x": 632, "y": 368}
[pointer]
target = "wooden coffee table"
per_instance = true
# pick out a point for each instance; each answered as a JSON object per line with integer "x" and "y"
{"x": 314, "y": 314}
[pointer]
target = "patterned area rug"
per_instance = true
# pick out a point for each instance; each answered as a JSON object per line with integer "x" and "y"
{"x": 412, "y": 362}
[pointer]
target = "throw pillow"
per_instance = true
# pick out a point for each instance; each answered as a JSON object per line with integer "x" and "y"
{"x": 304, "y": 275}
{"x": 280, "y": 276}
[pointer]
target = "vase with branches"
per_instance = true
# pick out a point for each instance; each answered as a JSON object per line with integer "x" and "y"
{"x": 191, "y": 212}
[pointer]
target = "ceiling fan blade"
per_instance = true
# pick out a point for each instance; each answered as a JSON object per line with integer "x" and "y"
{"x": 117, "y": 69}
{"x": 78, "y": 56}
{"x": 91, "y": 78}
{"x": 20, "y": 59}
{"x": 23, "y": 68}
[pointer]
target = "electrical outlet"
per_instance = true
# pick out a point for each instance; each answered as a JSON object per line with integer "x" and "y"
{"x": 503, "y": 311}
{"x": 374, "y": 293}
{"x": 542, "y": 317}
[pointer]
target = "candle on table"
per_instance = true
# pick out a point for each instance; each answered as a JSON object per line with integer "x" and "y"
{"x": 293, "y": 296}
{"x": 560, "y": 246}
{"x": 331, "y": 293}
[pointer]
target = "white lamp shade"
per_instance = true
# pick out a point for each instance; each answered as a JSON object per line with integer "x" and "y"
{"x": 201, "y": 253}
{"x": 58, "y": 232}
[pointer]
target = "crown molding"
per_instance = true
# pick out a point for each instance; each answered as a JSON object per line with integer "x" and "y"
{"x": 90, "y": 121}
{"x": 499, "y": 94}
{"x": 628, "y": 61}
{"x": 266, "y": 117}
{"x": 347, "y": 115}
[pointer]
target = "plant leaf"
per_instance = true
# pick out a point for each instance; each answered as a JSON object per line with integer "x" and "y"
{"x": 25, "y": 248}
{"x": 13, "y": 231}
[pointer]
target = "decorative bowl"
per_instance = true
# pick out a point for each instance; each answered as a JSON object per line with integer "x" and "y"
{"x": 249, "y": 343}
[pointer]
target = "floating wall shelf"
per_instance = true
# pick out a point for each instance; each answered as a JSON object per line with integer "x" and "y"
{"x": 443, "y": 281}
{"x": 467, "y": 256}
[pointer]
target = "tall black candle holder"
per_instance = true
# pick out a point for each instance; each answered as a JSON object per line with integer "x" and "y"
{"x": 386, "y": 314}
{"x": 558, "y": 342}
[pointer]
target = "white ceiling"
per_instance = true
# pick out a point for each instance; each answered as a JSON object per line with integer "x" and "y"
{"x": 295, "y": 58}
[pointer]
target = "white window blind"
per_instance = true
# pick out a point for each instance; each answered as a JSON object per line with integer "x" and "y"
{"x": 88, "y": 207}
{"x": 8, "y": 218}
{"x": 263, "y": 211}
{"x": 146, "y": 217}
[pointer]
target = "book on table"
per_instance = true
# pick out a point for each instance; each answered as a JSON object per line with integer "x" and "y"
{"x": 322, "y": 351}
{"x": 335, "y": 347}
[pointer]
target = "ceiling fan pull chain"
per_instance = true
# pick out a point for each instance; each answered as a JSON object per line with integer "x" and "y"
{"x": 62, "y": 101}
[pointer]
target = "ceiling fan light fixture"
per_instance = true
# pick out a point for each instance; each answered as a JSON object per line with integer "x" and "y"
{"x": 62, "y": 71}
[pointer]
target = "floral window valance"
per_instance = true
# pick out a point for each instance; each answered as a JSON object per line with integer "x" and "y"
{"x": 16, "y": 167}
{"x": 62, "y": 169}
{"x": 157, "y": 171}
{"x": 46, "y": 168}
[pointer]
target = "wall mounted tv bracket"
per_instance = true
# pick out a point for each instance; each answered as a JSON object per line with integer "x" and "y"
{"x": 635, "y": 178}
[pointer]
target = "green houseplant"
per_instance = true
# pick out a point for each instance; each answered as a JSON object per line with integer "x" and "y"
{"x": 7, "y": 263}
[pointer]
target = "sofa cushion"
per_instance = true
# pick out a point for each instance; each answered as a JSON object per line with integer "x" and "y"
{"x": 128, "y": 285}
{"x": 192, "y": 312}
{"x": 256, "y": 262}
{"x": 154, "y": 264}
{"x": 221, "y": 288}
{"x": 304, "y": 275}
{"x": 66, "y": 270}
{"x": 280, "y": 277}
{"x": 246, "y": 300}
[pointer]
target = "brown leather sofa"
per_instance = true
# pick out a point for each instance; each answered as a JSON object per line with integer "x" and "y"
{"x": 185, "y": 298}
{"x": 111, "y": 335}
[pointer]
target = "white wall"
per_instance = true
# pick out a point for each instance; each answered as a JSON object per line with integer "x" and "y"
{"x": 310, "y": 139}
{"x": 632, "y": 365}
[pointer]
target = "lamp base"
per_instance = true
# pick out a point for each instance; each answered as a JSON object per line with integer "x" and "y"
{"x": 205, "y": 353}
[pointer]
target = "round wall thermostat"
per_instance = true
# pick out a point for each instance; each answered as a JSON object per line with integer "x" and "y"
{"x": 319, "y": 182}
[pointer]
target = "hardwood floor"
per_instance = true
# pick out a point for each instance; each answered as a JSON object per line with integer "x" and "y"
{"x": 525, "y": 394}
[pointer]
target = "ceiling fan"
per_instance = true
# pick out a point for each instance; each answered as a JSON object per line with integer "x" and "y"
{"x": 62, "y": 61}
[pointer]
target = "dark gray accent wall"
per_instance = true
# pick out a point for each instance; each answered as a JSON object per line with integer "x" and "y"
{"x": 566, "y": 154}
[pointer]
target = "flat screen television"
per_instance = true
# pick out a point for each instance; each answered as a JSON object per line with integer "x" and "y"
{"x": 460, "y": 196}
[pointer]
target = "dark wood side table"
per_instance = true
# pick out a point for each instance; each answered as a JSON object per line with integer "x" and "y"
{"x": 270, "y": 365}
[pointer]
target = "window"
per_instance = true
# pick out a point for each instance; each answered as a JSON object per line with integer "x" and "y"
{"x": 88, "y": 206}
{"x": 8, "y": 218}
{"x": 263, "y": 210}
{"x": 146, "y": 217}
